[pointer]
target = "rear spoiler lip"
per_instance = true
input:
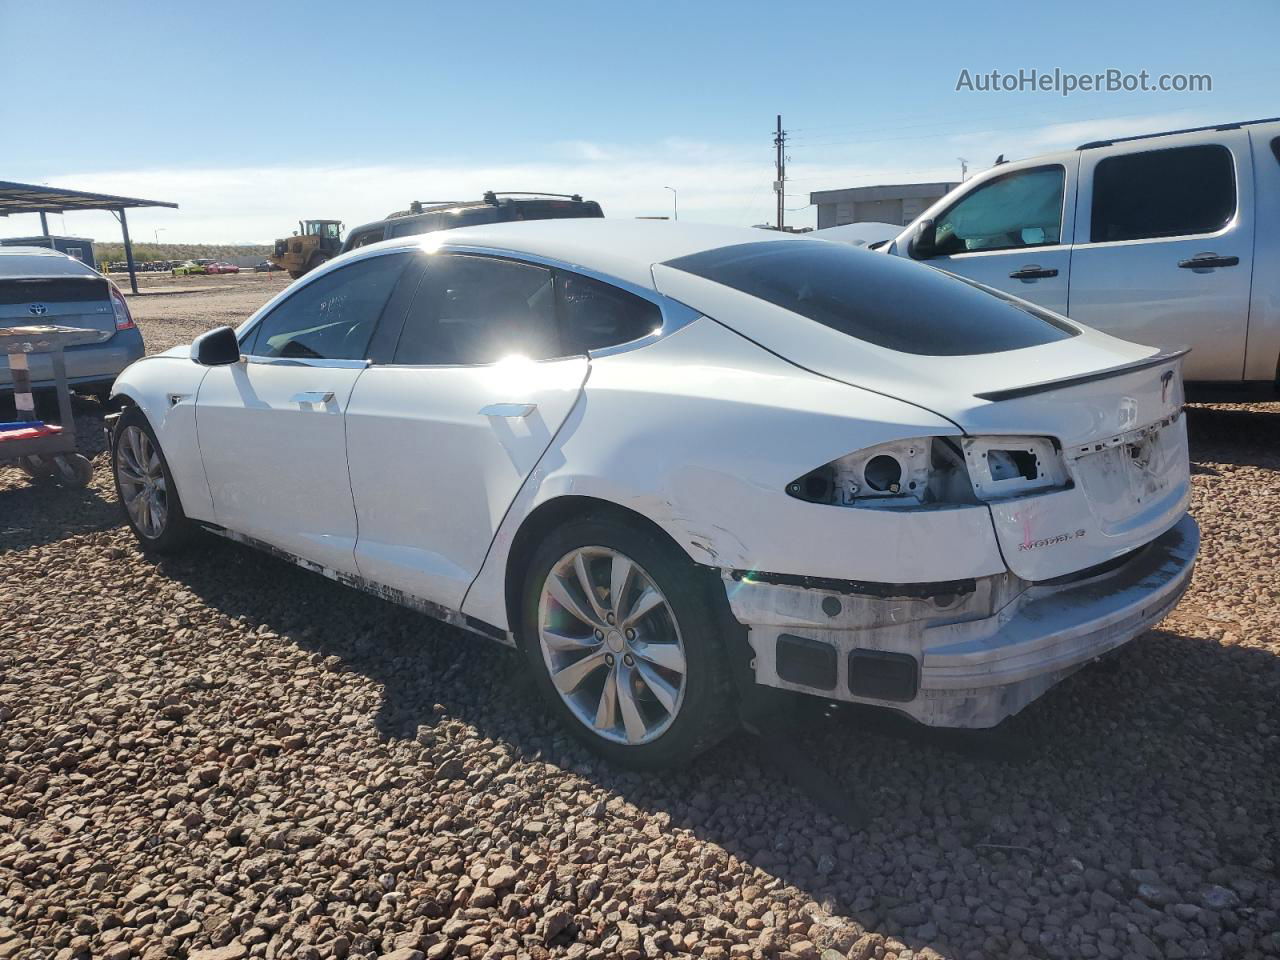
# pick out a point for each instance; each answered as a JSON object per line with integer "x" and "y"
{"x": 1046, "y": 385}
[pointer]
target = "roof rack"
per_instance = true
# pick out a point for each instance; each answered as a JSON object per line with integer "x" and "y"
{"x": 491, "y": 196}
{"x": 1094, "y": 144}
{"x": 418, "y": 206}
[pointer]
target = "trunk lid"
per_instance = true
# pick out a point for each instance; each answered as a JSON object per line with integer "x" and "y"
{"x": 1112, "y": 408}
{"x": 71, "y": 301}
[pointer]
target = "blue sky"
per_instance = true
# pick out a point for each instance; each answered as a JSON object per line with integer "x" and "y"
{"x": 252, "y": 115}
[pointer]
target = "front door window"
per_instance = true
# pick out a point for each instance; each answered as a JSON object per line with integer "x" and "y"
{"x": 1022, "y": 209}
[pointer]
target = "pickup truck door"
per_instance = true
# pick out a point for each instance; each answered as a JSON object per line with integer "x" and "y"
{"x": 1164, "y": 247}
{"x": 1012, "y": 231}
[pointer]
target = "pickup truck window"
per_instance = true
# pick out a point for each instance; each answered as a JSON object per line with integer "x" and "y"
{"x": 1020, "y": 209}
{"x": 1176, "y": 192}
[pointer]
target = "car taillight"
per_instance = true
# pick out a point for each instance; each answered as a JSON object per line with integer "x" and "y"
{"x": 124, "y": 319}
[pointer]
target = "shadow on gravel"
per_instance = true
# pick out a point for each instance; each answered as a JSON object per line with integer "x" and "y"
{"x": 1235, "y": 435}
{"x": 1163, "y": 758}
{"x": 33, "y": 513}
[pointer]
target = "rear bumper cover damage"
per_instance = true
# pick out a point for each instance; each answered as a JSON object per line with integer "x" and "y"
{"x": 953, "y": 659}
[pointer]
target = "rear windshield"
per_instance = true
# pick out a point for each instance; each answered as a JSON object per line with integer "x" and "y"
{"x": 34, "y": 290}
{"x": 884, "y": 300}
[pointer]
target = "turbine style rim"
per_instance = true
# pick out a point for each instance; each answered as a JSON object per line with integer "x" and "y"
{"x": 611, "y": 644}
{"x": 142, "y": 483}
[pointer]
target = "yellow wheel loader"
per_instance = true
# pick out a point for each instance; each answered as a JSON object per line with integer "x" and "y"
{"x": 314, "y": 242}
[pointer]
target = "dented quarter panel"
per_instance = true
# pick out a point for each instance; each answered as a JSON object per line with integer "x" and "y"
{"x": 716, "y": 429}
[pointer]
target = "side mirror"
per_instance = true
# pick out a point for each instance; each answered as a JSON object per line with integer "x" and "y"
{"x": 924, "y": 244}
{"x": 216, "y": 348}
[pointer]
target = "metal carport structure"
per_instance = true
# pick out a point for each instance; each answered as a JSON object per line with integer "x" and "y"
{"x": 35, "y": 198}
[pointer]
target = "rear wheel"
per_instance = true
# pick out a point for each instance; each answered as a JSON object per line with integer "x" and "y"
{"x": 145, "y": 486}
{"x": 619, "y": 632}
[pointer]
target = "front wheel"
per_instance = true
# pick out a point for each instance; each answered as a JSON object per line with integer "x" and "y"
{"x": 620, "y": 634}
{"x": 145, "y": 486}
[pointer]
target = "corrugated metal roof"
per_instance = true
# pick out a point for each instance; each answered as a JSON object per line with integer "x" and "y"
{"x": 35, "y": 198}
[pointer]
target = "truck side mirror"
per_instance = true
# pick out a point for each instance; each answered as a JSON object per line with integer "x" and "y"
{"x": 924, "y": 244}
{"x": 216, "y": 348}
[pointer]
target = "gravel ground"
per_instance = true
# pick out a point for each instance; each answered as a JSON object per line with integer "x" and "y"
{"x": 222, "y": 756}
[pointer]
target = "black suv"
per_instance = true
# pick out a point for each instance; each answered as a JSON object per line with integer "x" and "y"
{"x": 428, "y": 216}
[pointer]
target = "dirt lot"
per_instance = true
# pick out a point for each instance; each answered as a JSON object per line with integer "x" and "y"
{"x": 222, "y": 756}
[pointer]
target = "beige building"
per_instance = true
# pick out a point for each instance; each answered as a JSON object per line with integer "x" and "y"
{"x": 898, "y": 203}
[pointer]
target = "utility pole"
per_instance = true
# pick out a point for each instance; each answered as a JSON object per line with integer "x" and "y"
{"x": 780, "y": 165}
{"x": 964, "y": 169}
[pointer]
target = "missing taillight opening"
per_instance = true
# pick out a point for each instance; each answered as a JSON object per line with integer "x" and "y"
{"x": 1003, "y": 467}
{"x": 928, "y": 471}
{"x": 1004, "y": 464}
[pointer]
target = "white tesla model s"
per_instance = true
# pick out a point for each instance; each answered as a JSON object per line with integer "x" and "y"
{"x": 681, "y": 465}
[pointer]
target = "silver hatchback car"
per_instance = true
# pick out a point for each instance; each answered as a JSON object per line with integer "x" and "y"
{"x": 38, "y": 285}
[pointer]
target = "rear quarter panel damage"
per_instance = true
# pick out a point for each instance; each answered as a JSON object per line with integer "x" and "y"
{"x": 702, "y": 431}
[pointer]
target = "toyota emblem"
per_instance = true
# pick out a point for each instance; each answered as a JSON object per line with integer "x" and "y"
{"x": 37, "y": 309}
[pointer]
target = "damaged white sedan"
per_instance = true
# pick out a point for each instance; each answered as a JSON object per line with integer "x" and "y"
{"x": 679, "y": 465}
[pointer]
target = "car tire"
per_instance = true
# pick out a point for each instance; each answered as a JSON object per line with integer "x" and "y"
{"x": 671, "y": 695}
{"x": 141, "y": 472}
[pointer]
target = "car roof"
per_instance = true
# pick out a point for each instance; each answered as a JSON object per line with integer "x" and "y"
{"x": 39, "y": 262}
{"x": 625, "y": 249}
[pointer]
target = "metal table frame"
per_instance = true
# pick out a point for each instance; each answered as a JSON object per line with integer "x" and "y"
{"x": 19, "y": 343}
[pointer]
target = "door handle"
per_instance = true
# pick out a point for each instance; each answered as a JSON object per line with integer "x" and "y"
{"x": 312, "y": 396}
{"x": 514, "y": 411}
{"x": 1033, "y": 272}
{"x": 1206, "y": 261}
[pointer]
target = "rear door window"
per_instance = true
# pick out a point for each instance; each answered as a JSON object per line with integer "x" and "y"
{"x": 470, "y": 217}
{"x": 1163, "y": 193}
{"x": 474, "y": 310}
{"x": 410, "y": 227}
{"x": 1020, "y": 209}
{"x": 331, "y": 318}
{"x": 595, "y": 315}
{"x": 887, "y": 301}
{"x": 554, "y": 209}
{"x": 364, "y": 238}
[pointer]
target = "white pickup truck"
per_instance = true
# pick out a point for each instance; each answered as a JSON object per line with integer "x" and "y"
{"x": 1169, "y": 239}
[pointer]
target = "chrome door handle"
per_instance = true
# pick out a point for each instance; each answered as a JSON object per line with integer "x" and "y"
{"x": 516, "y": 411}
{"x": 1207, "y": 261}
{"x": 312, "y": 396}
